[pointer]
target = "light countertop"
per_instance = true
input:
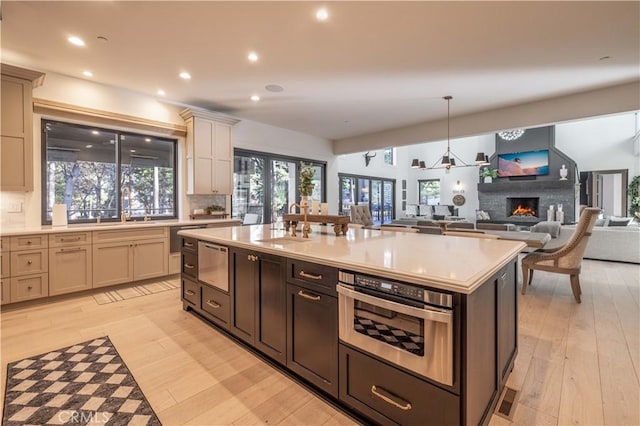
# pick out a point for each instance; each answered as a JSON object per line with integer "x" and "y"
{"x": 107, "y": 226}
{"x": 450, "y": 263}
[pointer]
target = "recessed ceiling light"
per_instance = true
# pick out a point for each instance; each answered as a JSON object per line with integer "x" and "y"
{"x": 274, "y": 88}
{"x": 161, "y": 92}
{"x": 322, "y": 14}
{"x": 76, "y": 41}
{"x": 253, "y": 57}
{"x": 147, "y": 139}
{"x": 88, "y": 146}
{"x": 185, "y": 75}
{"x": 95, "y": 132}
{"x": 132, "y": 150}
{"x": 87, "y": 73}
{"x": 112, "y": 141}
{"x": 255, "y": 98}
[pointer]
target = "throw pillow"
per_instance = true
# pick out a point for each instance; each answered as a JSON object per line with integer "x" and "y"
{"x": 599, "y": 222}
{"x": 619, "y": 221}
{"x": 441, "y": 210}
{"x": 438, "y": 217}
{"x": 482, "y": 215}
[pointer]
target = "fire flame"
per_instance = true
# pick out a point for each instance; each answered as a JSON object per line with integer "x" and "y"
{"x": 523, "y": 211}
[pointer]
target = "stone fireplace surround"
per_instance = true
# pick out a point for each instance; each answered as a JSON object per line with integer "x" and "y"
{"x": 492, "y": 197}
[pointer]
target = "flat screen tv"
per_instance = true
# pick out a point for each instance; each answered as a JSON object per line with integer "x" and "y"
{"x": 528, "y": 163}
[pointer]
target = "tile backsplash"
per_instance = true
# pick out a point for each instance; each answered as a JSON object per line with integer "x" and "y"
{"x": 204, "y": 201}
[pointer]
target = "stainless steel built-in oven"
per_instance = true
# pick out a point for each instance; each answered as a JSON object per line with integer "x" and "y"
{"x": 213, "y": 265}
{"x": 404, "y": 324}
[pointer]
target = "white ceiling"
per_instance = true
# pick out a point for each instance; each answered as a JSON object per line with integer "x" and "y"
{"x": 371, "y": 66}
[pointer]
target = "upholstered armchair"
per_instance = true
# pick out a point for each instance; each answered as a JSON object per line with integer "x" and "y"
{"x": 360, "y": 214}
{"x": 566, "y": 259}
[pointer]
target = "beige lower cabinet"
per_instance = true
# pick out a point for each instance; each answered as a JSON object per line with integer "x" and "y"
{"x": 5, "y": 264}
{"x": 29, "y": 287}
{"x": 112, "y": 263}
{"x": 5, "y": 291}
{"x": 70, "y": 269}
{"x": 129, "y": 256}
{"x": 150, "y": 259}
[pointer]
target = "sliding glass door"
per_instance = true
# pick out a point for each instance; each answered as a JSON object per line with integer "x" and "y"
{"x": 266, "y": 185}
{"x": 377, "y": 193}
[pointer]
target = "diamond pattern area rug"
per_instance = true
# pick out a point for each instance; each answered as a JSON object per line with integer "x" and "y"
{"x": 87, "y": 383}
{"x": 136, "y": 291}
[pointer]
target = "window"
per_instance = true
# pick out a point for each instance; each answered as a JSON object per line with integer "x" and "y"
{"x": 378, "y": 193}
{"x": 390, "y": 156}
{"x": 103, "y": 173}
{"x": 265, "y": 185}
{"x": 429, "y": 191}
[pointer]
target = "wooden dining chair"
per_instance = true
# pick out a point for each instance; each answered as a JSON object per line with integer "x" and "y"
{"x": 566, "y": 259}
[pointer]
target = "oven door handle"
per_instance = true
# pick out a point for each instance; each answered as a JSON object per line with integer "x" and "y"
{"x": 424, "y": 313}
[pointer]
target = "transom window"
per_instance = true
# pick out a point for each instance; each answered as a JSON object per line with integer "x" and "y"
{"x": 390, "y": 156}
{"x": 105, "y": 173}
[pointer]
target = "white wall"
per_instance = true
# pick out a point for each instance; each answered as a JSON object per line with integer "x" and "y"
{"x": 247, "y": 134}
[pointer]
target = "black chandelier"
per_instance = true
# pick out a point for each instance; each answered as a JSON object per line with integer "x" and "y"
{"x": 448, "y": 159}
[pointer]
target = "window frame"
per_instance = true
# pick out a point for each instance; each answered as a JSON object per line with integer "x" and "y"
{"x": 268, "y": 158}
{"x": 369, "y": 201}
{"x": 420, "y": 181}
{"x": 118, "y": 165}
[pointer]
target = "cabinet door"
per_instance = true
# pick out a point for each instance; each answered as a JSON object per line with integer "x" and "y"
{"x": 312, "y": 337}
{"x": 5, "y": 262}
{"x": 223, "y": 159}
{"x": 507, "y": 320}
{"x": 271, "y": 307}
{"x": 29, "y": 287}
{"x": 70, "y": 269}
{"x": 222, "y": 177}
{"x": 243, "y": 269}
{"x": 29, "y": 262}
{"x": 150, "y": 259}
{"x": 16, "y": 156}
{"x": 203, "y": 156}
{"x": 112, "y": 263}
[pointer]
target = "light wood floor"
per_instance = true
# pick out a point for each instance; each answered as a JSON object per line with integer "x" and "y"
{"x": 577, "y": 364}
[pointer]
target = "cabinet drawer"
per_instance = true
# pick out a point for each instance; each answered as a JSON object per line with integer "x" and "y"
{"x": 190, "y": 264}
{"x": 5, "y": 291}
{"x": 29, "y": 262}
{"x": 69, "y": 239}
{"x": 5, "y": 262}
{"x": 311, "y": 275}
{"x": 29, "y": 287}
{"x": 190, "y": 291}
{"x": 189, "y": 244}
{"x": 216, "y": 303}
{"x": 29, "y": 242}
{"x": 391, "y": 396}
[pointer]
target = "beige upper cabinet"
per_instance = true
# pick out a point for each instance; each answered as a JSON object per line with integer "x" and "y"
{"x": 16, "y": 139}
{"x": 209, "y": 152}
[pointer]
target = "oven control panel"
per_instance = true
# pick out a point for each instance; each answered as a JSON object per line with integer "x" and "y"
{"x": 399, "y": 289}
{"x": 404, "y": 290}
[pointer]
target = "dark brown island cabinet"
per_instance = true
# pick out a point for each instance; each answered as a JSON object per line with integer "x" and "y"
{"x": 288, "y": 310}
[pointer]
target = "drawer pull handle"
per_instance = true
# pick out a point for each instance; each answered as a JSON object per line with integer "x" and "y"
{"x": 308, "y": 296}
{"x": 29, "y": 242}
{"x": 380, "y": 393}
{"x": 29, "y": 288}
{"x": 310, "y": 276}
{"x": 68, "y": 250}
{"x": 29, "y": 262}
{"x": 186, "y": 244}
{"x": 67, "y": 240}
{"x": 190, "y": 293}
{"x": 189, "y": 266}
{"x": 213, "y": 304}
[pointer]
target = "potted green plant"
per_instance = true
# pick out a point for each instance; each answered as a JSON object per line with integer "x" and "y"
{"x": 489, "y": 174}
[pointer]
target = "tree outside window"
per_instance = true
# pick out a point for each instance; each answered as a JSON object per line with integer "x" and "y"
{"x": 429, "y": 192}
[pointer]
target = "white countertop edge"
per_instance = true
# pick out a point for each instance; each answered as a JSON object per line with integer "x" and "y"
{"x": 108, "y": 226}
{"x": 449, "y": 285}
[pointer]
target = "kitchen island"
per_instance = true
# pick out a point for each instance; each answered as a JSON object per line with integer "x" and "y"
{"x": 397, "y": 328}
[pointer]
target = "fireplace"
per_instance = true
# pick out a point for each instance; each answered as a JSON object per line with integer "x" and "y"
{"x": 522, "y": 206}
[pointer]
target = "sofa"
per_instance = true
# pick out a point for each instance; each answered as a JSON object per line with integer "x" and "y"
{"x": 614, "y": 243}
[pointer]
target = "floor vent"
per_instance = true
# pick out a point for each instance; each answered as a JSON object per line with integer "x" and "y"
{"x": 507, "y": 403}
